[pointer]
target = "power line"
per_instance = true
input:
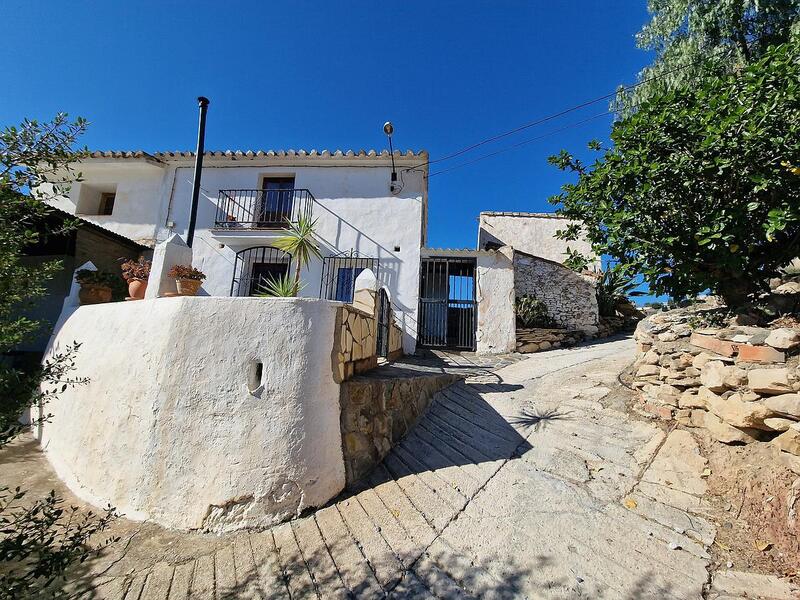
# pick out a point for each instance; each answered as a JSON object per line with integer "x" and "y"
{"x": 551, "y": 117}
{"x": 522, "y": 143}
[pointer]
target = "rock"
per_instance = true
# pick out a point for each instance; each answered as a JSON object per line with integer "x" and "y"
{"x": 684, "y": 416}
{"x": 749, "y": 396}
{"x": 741, "y": 338}
{"x": 667, "y": 336}
{"x": 722, "y": 347}
{"x": 790, "y": 287}
{"x": 691, "y": 399}
{"x": 785, "y": 404}
{"x": 735, "y": 378}
{"x": 544, "y": 345}
{"x": 713, "y": 376}
{"x": 722, "y": 432}
{"x": 651, "y": 358}
{"x": 789, "y": 440}
{"x": 758, "y": 338}
{"x": 761, "y": 354}
{"x": 647, "y": 371}
{"x": 778, "y": 423}
{"x": 734, "y": 411}
{"x": 783, "y": 338}
{"x": 769, "y": 381}
{"x": 701, "y": 359}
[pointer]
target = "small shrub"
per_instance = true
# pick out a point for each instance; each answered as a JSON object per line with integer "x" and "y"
{"x": 283, "y": 286}
{"x": 532, "y": 312}
{"x": 135, "y": 270}
{"x": 186, "y": 272}
{"x": 89, "y": 277}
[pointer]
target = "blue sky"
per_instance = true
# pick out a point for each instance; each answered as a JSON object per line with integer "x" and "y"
{"x": 327, "y": 75}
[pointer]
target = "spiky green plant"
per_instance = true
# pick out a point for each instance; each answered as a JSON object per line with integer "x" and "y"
{"x": 614, "y": 286}
{"x": 299, "y": 241}
{"x": 283, "y": 286}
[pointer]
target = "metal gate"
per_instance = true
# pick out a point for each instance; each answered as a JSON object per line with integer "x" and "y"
{"x": 447, "y": 303}
{"x": 383, "y": 324}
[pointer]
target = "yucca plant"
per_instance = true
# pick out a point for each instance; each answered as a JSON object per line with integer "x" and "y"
{"x": 299, "y": 241}
{"x": 283, "y": 286}
{"x": 614, "y": 286}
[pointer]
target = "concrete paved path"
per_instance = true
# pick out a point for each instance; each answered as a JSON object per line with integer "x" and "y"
{"x": 530, "y": 482}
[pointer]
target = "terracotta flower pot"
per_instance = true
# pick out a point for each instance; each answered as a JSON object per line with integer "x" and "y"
{"x": 188, "y": 287}
{"x": 137, "y": 288}
{"x": 92, "y": 293}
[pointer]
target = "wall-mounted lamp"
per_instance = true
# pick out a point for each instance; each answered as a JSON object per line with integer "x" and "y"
{"x": 388, "y": 129}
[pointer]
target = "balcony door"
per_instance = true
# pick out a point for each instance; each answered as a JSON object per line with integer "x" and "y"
{"x": 277, "y": 202}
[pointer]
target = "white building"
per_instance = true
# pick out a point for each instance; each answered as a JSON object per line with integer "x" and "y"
{"x": 362, "y": 218}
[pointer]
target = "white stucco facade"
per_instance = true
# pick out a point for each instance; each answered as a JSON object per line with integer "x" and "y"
{"x": 494, "y": 295}
{"x": 354, "y": 207}
{"x": 243, "y": 434}
{"x": 532, "y": 233}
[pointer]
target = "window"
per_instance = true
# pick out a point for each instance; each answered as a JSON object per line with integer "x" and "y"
{"x": 262, "y": 273}
{"x": 277, "y": 201}
{"x": 346, "y": 283}
{"x": 106, "y": 206}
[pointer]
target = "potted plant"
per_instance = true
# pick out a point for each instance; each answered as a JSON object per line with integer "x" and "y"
{"x": 136, "y": 272}
{"x": 96, "y": 286}
{"x": 187, "y": 279}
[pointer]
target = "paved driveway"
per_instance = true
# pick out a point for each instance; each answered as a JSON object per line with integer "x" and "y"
{"x": 530, "y": 481}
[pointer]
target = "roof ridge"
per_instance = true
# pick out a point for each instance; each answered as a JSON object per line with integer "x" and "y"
{"x": 234, "y": 154}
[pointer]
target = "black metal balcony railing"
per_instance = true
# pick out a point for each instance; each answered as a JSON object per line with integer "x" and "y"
{"x": 262, "y": 209}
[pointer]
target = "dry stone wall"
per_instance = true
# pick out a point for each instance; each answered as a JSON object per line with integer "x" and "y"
{"x": 569, "y": 296}
{"x": 377, "y": 413}
{"x": 741, "y": 383}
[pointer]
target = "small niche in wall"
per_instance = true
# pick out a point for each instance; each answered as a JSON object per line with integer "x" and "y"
{"x": 255, "y": 375}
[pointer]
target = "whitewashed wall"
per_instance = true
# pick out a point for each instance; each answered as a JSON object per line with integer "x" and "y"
{"x": 175, "y": 426}
{"x": 354, "y": 208}
{"x": 140, "y": 187}
{"x": 494, "y": 293}
{"x": 532, "y": 233}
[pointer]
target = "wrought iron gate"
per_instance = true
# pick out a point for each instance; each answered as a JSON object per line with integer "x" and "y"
{"x": 447, "y": 303}
{"x": 383, "y": 324}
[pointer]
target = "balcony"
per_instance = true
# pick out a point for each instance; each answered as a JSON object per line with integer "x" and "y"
{"x": 255, "y": 210}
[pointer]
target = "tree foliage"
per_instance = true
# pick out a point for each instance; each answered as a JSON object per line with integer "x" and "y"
{"x": 39, "y": 538}
{"x": 691, "y": 38}
{"x": 701, "y": 188}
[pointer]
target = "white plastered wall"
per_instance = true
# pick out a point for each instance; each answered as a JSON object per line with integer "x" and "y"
{"x": 354, "y": 211}
{"x": 175, "y": 424}
{"x": 494, "y": 293}
{"x": 532, "y": 233}
{"x": 139, "y": 187}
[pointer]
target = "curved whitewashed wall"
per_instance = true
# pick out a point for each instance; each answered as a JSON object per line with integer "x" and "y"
{"x": 175, "y": 425}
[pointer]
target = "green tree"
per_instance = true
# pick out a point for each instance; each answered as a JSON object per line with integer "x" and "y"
{"x": 39, "y": 540}
{"x": 700, "y": 188}
{"x": 691, "y": 38}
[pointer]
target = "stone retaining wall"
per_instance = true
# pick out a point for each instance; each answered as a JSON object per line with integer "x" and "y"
{"x": 377, "y": 413}
{"x": 569, "y": 297}
{"x": 741, "y": 383}
{"x": 539, "y": 339}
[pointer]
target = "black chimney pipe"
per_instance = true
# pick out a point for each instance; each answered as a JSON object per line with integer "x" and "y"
{"x": 198, "y": 167}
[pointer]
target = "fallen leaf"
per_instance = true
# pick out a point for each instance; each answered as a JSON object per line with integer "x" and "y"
{"x": 762, "y": 545}
{"x": 630, "y": 503}
{"x": 396, "y": 513}
{"x": 722, "y": 546}
{"x": 706, "y": 473}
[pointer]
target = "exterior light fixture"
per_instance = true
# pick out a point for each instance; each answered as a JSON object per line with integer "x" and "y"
{"x": 388, "y": 129}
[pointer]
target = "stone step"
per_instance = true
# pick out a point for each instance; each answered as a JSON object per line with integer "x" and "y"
{"x": 268, "y": 570}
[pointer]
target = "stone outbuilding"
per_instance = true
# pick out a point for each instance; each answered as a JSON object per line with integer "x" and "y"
{"x": 467, "y": 297}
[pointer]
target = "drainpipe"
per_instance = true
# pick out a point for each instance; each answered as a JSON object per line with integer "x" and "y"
{"x": 198, "y": 167}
